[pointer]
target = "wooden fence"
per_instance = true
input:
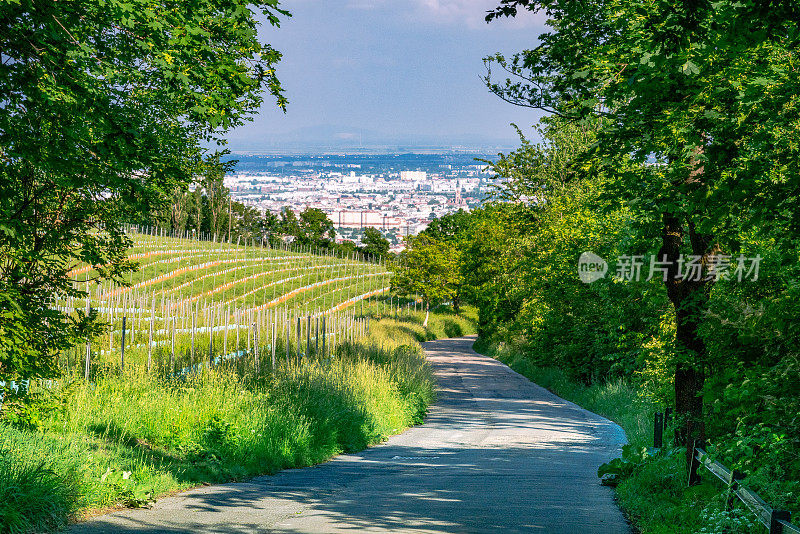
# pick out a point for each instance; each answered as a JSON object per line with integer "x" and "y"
{"x": 776, "y": 521}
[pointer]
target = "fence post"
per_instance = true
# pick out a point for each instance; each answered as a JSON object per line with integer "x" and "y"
{"x": 172, "y": 347}
{"x": 694, "y": 465}
{"x": 274, "y": 339}
{"x": 288, "y": 335}
{"x": 316, "y": 337}
{"x": 774, "y": 521}
{"x": 324, "y": 335}
{"x": 194, "y": 327}
{"x": 122, "y": 346}
{"x": 88, "y": 357}
{"x": 225, "y": 341}
{"x": 308, "y": 336}
{"x": 150, "y": 341}
{"x": 658, "y": 430}
{"x": 255, "y": 346}
{"x": 299, "y": 339}
{"x": 733, "y": 484}
{"x": 211, "y": 339}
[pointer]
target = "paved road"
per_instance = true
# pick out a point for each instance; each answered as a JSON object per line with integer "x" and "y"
{"x": 496, "y": 454}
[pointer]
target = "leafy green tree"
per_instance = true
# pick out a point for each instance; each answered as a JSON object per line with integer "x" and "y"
{"x": 106, "y": 108}
{"x": 197, "y": 209}
{"x": 316, "y": 229}
{"x": 272, "y": 229}
{"x": 429, "y": 268}
{"x": 375, "y": 245}
{"x": 289, "y": 224}
{"x": 688, "y": 91}
{"x": 247, "y": 223}
{"x": 217, "y": 195}
{"x": 175, "y": 214}
{"x": 450, "y": 227}
{"x": 347, "y": 247}
{"x": 454, "y": 229}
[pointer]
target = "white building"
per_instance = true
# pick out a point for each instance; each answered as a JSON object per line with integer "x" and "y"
{"x": 413, "y": 176}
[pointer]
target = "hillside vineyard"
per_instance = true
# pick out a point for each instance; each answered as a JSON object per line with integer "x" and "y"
{"x": 195, "y": 302}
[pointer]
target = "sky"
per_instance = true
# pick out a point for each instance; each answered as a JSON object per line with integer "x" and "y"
{"x": 390, "y": 73}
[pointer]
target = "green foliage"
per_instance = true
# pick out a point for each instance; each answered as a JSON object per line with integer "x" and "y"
{"x": 618, "y": 469}
{"x": 40, "y": 481}
{"x": 125, "y": 440}
{"x": 430, "y": 268}
{"x": 696, "y": 116}
{"x": 375, "y": 245}
{"x": 106, "y": 108}
{"x": 316, "y": 229}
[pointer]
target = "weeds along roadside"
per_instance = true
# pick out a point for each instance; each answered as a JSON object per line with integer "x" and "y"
{"x": 127, "y": 439}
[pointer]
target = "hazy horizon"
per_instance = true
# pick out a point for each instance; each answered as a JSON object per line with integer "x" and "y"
{"x": 388, "y": 76}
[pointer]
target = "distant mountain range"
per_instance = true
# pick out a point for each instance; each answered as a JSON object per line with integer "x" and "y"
{"x": 333, "y": 138}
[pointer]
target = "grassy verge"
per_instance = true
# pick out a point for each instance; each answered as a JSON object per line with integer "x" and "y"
{"x": 125, "y": 440}
{"x": 654, "y": 495}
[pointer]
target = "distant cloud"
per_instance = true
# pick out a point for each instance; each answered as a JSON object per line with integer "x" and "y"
{"x": 470, "y": 12}
{"x": 364, "y": 4}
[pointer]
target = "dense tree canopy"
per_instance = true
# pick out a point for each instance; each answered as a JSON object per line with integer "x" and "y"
{"x": 429, "y": 268}
{"x": 375, "y": 246}
{"x": 698, "y": 102}
{"x": 106, "y": 107}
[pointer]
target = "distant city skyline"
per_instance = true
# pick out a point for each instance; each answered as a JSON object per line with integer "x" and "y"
{"x": 391, "y": 76}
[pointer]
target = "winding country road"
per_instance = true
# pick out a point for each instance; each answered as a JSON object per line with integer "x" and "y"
{"x": 497, "y": 453}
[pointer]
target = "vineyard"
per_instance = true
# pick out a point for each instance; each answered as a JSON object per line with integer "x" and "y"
{"x": 194, "y": 302}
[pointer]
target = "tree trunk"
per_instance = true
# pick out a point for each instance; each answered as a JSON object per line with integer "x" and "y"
{"x": 689, "y": 380}
{"x": 689, "y": 299}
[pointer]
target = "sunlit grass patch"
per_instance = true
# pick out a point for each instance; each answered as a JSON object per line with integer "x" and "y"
{"x": 131, "y": 436}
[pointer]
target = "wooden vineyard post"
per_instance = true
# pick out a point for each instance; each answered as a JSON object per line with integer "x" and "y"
{"x": 132, "y": 332}
{"x": 225, "y": 341}
{"x": 88, "y": 358}
{"x": 238, "y": 319}
{"x": 122, "y": 344}
{"x": 308, "y": 337}
{"x": 150, "y": 343}
{"x": 110, "y": 304}
{"x": 249, "y": 333}
{"x": 286, "y": 319}
{"x": 194, "y": 326}
{"x": 299, "y": 339}
{"x": 255, "y": 345}
{"x": 211, "y": 338}
{"x": 324, "y": 335}
{"x": 316, "y": 337}
{"x": 172, "y": 347}
{"x": 274, "y": 339}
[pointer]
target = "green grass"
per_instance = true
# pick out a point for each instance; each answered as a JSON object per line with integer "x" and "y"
{"x": 128, "y": 438}
{"x": 655, "y": 497}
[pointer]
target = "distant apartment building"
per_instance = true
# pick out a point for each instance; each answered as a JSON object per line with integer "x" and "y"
{"x": 363, "y": 219}
{"x": 413, "y": 176}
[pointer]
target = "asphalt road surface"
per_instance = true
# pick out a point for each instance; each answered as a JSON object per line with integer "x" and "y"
{"x": 497, "y": 453}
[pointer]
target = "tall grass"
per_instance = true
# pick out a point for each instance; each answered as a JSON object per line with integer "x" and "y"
{"x": 129, "y": 437}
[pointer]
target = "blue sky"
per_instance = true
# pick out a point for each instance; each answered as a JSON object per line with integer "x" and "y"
{"x": 377, "y": 72}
